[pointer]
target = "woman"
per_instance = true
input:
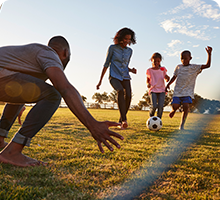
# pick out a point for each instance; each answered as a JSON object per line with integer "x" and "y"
{"x": 118, "y": 58}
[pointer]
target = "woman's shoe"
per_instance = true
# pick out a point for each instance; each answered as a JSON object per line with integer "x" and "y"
{"x": 124, "y": 125}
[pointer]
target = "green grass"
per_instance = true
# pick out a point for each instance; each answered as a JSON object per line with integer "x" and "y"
{"x": 77, "y": 170}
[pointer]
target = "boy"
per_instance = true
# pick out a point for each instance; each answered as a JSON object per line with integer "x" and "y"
{"x": 185, "y": 75}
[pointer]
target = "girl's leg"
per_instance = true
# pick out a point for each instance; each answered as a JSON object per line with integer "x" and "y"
{"x": 153, "y": 98}
{"x": 117, "y": 85}
{"x": 184, "y": 115}
{"x": 161, "y": 97}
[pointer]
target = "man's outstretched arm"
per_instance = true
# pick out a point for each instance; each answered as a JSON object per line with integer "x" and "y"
{"x": 99, "y": 130}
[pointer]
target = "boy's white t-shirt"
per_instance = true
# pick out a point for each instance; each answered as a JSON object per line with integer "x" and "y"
{"x": 186, "y": 79}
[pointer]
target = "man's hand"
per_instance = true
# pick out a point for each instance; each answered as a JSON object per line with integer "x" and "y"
{"x": 99, "y": 130}
{"x": 101, "y": 133}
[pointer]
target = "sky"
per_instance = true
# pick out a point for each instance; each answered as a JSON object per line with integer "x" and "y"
{"x": 167, "y": 27}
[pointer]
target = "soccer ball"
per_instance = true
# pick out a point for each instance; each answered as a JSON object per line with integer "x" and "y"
{"x": 154, "y": 123}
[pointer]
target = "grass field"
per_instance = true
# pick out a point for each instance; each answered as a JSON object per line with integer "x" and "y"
{"x": 77, "y": 170}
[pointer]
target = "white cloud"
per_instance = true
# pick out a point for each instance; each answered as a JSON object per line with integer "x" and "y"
{"x": 169, "y": 25}
{"x": 218, "y": 2}
{"x": 174, "y": 53}
{"x": 197, "y": 45}
{"x": 173, "y": 48}
{"x": 174, "y": 42}
{"x": 216, "y": 27}
{"x": 183, "y": 21}
{"x": 200, "y": 8}
{"x": 184, "y": 28}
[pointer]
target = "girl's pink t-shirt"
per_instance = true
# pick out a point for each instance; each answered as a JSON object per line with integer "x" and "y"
{"x": 156, "y": 79}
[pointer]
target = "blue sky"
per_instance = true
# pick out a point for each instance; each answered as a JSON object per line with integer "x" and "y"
{"x": 168, "y": 27}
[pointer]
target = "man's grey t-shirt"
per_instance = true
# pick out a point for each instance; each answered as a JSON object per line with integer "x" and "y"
{"x": 32, "y": 59}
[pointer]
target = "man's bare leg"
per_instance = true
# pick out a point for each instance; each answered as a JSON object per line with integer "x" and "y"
{"x": 3, "y": 144}
{"x": 174, "y": 108}
{"x": 11, "y": 154}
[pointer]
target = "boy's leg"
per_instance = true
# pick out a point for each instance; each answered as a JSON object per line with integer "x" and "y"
{"x": 174, "y": 108}
{"x": 184, "y": 115}
{"x": 176, "y": 102}
{"x": 8, "y": 117}
{"x": 153, "y": 98}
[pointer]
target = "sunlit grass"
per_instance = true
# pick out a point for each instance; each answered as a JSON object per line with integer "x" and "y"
{"x": 77, "y": 170}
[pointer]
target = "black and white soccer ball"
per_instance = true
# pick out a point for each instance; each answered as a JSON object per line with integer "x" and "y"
{"x": 154, "y": 123}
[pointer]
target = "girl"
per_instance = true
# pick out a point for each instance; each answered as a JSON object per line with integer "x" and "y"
{"x": 156, "y": 86}
{"x": 118, "y": 58}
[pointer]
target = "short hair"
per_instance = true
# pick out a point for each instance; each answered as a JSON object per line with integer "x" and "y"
{"x": 156, "y": 55}
{"x": 58, "y": 42}
{"x": 186, "y": 52}
{"x": 119, "y": 36}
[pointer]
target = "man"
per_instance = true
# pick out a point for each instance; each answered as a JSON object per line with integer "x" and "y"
{"x": 23, "y": 71}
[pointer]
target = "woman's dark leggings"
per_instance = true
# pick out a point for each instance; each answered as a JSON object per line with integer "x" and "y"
{"x": 123, "y": 89}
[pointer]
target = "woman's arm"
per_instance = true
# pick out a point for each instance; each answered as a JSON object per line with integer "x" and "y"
{"x": 102, "y": 75}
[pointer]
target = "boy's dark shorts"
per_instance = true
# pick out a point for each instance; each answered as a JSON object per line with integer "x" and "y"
{"x": 181, "y": 100}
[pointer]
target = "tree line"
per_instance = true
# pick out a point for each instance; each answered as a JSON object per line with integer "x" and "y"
{"x": 199, "y": 104}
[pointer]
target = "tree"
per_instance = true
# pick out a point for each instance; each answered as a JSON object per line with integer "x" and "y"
{"x": 202, "y": 105}
{"x": 101, "y": 98}
{"x": 84, "y": 98}
{"x": 113, "y": 97}
{"x": 105, "y": 98}
{"x": 98, "y": 98}
{"x": 168, "y": 98}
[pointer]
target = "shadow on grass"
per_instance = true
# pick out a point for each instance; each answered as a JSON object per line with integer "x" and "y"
{"x": 35, "y": 183}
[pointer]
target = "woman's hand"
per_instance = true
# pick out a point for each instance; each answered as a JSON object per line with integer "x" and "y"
{"x": 133, "y": 70}
{"x": 98, "y": 85}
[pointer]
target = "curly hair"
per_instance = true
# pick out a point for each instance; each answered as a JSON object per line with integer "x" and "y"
{"x": 119, "y": 36}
